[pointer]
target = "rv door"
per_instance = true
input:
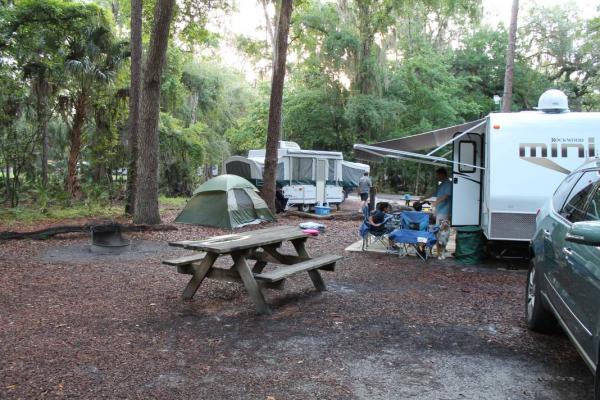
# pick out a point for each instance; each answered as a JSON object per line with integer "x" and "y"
{"x": 466, "y": 179}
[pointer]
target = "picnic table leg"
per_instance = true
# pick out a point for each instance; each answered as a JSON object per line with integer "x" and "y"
{"x": 300, "y": 248}
{"x": 259, "y": 266}
{"x": 200, "y": 272}
{"x": 256, "y": 295}
{"x": 314, "y": 274}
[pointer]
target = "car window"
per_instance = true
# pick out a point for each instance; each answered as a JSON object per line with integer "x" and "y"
{"x": 593, "y": 210}
{"x": 560, "y": 195}
{"x": 575, "y": 206}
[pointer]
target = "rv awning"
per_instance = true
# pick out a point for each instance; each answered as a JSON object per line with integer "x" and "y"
{"x": 403, "y": 148}
{"x": 372, "y": 153}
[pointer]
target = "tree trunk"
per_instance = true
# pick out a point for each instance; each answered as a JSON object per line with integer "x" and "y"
{"x": 146, "y": 195}
{"x": 102, "y": 122}
{"x": 193, "y": 104}
{"x": 45, "y": 148}
{"x": 75, "y": 139}
{"x": 43, "y": 234}
{"x": 510, "y": 58}
{"x": 7, "y": 183}
{"x": 268, "y": 23}
{"x": 207, "y": 172}
{"x": 134, "y": 102}
{"x": 274, "y": 126}
{"x": 270, "y": 34}
{"x": 365, "y": 76}
{"x": 418, "y": 175}
{"x": 41, "y": 88}
{"x": 14, "y": 200}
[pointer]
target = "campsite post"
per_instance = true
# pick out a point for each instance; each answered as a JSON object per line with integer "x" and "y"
{"x": 372, "y": 200}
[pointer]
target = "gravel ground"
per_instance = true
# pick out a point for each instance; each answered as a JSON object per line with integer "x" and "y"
{"x": 75, "y": 325}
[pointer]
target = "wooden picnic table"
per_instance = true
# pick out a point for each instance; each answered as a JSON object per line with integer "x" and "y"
{"x": 259, "y": 247}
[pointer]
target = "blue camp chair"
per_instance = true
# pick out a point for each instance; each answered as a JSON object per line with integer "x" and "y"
{"x": 414, "y": 233}
{"x": 370, "y": 235}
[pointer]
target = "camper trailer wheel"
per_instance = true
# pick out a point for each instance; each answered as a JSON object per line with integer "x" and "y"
{"x": 539, "y": 319}
{"x": 302, "y": 207}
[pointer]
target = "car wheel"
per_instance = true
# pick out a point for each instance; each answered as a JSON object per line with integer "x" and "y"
{"x": 597, "y": 385}
{"x": 539, "y": 319}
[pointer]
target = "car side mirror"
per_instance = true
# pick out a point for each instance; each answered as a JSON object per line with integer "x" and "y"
{"x": 586, "y": 232}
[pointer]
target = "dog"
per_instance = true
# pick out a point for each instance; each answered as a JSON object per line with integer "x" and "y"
{"x": 442, "y": 236}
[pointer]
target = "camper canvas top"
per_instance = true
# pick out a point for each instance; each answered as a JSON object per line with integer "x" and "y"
{"x": 259, "y": 155}
{"x": 287, "y": 148}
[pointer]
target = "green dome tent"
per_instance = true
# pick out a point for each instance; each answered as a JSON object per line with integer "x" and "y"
{"x": 227, "y": 201}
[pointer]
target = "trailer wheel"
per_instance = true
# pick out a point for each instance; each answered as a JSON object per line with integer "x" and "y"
{"x": 538, "y": 318}
{"x": 302, "y": 208}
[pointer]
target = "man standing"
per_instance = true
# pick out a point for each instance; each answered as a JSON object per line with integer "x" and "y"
{"x": 364, "y": 186}
{"x": 443, "y": 196}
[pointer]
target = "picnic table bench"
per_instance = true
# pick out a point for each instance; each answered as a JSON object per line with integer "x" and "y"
{"x": 258, "y": 247}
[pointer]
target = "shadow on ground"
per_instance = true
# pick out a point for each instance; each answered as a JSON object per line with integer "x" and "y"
{"x": 75, "y": 325}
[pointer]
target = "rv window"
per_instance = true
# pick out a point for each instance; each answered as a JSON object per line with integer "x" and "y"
{"x": 321, "y": 170}
{"x": 466, "y": 155}
{"x": 280, "y": 171}
{"x": 302, "y": 168}
{"x": 560, "y": 195}
{"x": 574, "y": 209}
{"x": 331, "y": 170}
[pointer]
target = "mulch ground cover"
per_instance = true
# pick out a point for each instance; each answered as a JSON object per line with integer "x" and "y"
{"x": 76, "y": 325}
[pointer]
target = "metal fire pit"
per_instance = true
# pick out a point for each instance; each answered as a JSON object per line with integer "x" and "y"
{"x": 107, "y": 239}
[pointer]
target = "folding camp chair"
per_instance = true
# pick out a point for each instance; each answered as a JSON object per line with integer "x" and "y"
{"x": 371, "y": 236}
{"x": 414, "y": 234}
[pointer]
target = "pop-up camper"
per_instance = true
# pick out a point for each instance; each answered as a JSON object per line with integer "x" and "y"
{"x": 352, "y": 172}
{"x": 504, "y": 166}
{"x": 307, "y": 177}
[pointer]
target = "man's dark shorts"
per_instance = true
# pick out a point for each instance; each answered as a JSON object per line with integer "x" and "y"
{"x": 364, "y": 196}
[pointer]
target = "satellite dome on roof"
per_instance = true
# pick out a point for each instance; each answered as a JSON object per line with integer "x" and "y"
{"x": 553, "y": 101}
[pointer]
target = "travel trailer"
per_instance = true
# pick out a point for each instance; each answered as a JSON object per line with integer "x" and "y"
{"x": 504, "y": 166}
{"x": 307, "y": 177}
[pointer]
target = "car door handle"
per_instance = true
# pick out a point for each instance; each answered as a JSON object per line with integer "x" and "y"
{"x": 567, "y": 251}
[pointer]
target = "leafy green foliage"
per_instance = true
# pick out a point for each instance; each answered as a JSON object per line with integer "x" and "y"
{"x": 28, "y": 215}
{"x": 361, "y": 71}
{"x": 250, "y": 131}
{"x": 315, "y": 117}
{"x": 566, "y": 49}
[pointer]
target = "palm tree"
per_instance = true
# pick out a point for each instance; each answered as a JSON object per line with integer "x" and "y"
{"x": 510, "y": 58}
{"x": 93, "y": 61}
